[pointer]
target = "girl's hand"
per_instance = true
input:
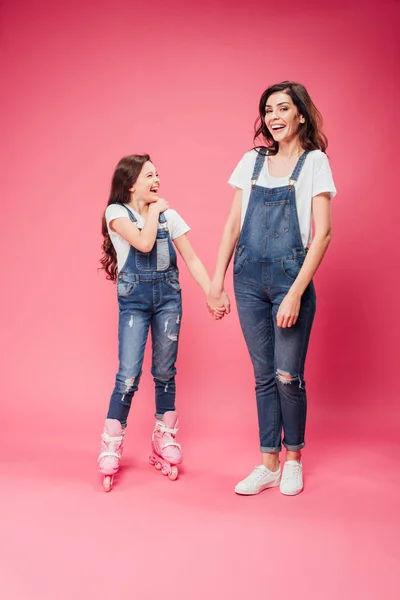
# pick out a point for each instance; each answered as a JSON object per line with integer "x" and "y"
{"x": 289, "y": 310}
{"x": 160, "y": 205}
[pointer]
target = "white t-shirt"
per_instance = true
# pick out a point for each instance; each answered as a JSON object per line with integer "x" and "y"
{"x": 315, "y": 178}
{"x": 176, "y": 226}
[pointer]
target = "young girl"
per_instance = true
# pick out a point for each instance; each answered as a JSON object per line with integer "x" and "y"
{"x": 280, "y": 189}
{"x": 138, "y": 229}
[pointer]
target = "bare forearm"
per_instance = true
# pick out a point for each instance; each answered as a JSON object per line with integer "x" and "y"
{"x": 227, "y": 246}
{"x": 149, "y": 232}
{"x": 313, "y": 259}
{"x": 199, "y": 273}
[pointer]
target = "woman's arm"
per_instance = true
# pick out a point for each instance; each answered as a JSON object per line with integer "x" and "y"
{"x": 290, "y": 307}
{"x": 217, "y": 296}
{"x": 141, "y": 240}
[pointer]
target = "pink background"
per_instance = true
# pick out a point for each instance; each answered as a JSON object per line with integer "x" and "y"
{"x": 84, "y": 83}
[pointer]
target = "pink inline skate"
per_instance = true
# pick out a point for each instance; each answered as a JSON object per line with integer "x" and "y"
{"x": 112, "y": 441}
{"x": 166, "y": 452}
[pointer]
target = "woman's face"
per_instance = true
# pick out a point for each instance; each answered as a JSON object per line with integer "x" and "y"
{"x": 282, "y": 117}
{"x": 147, "y": 184}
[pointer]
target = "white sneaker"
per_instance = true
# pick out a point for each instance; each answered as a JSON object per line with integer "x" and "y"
{"x": 292, "y": 478}
{"x": 260, "y": 479}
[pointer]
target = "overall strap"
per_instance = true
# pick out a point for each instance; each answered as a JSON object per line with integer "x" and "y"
{"x": 162, "y": 219}
{"x": 297, "y": 170}
{"x": 258, "y": 165}
{"x": 130, "y": 213}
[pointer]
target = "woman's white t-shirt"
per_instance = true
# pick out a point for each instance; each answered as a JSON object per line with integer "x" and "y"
{"x": 176, "y": 226}
{"x": 315, "y": 178}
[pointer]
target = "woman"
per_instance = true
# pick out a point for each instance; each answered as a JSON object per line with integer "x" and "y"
{"x": 280, "y": 190}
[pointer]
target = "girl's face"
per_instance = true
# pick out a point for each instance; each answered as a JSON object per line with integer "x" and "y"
{"x": 282, "y": 117}
{"x": 147, "y": 184}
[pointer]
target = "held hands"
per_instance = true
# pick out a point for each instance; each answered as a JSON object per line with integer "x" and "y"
{"x": 289, "y": 310}
{"x": 218, "y": 304}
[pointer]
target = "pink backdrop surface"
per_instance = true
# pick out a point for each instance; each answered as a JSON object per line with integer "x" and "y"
{"x": 84, "y": 83}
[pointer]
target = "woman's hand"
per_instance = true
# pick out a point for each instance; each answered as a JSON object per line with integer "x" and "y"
{"x": 289, "y": 310}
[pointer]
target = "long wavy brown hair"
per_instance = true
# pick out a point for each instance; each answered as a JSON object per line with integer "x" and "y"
{"x": 311, "y": 136}
{"x": 126, "y": 172}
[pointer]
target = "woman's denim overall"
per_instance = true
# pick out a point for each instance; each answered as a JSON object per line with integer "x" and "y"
{"x": 267, "y": 260}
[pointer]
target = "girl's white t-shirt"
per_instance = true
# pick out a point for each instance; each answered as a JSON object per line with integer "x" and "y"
{"x": 315, "y": 178}
{"x": 176, "y": 226}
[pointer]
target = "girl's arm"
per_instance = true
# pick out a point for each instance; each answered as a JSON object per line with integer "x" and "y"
{"x": 290, "y": 307}
{"x": 141, "y": 240}
{"x": 217, "y": 296}
{"x": 193, "y": 263}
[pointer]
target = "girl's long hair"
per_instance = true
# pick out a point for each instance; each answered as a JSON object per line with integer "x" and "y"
{"x": 311, "y": 136}
{"x": 126, "y": 173}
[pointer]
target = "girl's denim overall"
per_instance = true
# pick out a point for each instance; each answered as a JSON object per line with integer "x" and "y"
{"x": 267, "y": 260}
{"x": 149, "y": 294}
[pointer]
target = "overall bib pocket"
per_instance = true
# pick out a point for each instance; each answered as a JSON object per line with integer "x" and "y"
{"x": 278, "y": 218}
{"x": 163, "y": 257}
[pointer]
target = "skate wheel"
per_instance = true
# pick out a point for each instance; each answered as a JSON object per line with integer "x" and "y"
{"x": 152, "y": 460}
{"x": 107, "y": 483}
{"x": 173, "y": 473}
{"x": 164, "y": 470}
{"x": 158, "y": 466}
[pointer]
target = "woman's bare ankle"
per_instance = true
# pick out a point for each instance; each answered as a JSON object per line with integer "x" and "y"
{"x": 291, "y": 455}
{"x": 270, "y": 460}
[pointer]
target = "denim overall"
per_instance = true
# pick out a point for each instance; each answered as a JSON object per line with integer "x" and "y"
{"x": 149, "y": 294}
{"x": 268, "y": 258}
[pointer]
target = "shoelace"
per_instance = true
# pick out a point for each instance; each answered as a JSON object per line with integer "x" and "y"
{"x": 291, "y": 471}
{"x": 257, "y": 473}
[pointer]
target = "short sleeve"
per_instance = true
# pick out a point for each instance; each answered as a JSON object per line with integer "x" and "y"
{"x": 178, "y": 226}
{"x": 240, "y": 176}
{"x": 115, "y": 211}
{"x": 323, "y": 180}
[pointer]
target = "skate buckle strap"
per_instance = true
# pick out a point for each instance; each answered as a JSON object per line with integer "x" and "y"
{"x": 172, "y": 444}
{"x": 165, "y": 429}
{"x": 108, "y": 438}
{"x": 103, "y": 454}
{"x": 172, "y": 431}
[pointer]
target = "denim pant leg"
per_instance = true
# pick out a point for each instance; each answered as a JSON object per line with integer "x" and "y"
{"x": 165, "y": 328}
{"x": 255, "y": 315}
{"x": 291, "y": 346}
{"x": 133, "y": 330}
